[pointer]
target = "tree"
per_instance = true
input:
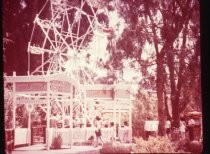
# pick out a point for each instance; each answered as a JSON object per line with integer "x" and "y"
{"x": 160, "y": 24}
{"x": 179, "y": 25}
{"x": 8, "y": 105}
{"x": 18, "y": 19}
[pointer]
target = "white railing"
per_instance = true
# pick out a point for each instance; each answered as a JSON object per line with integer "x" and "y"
{"x": 124, "y": 134}
{"x": 22, "y": 136}
{"x": 78, "y": 135}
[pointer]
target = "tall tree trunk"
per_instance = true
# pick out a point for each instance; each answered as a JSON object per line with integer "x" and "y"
{"x": 176, "y": 88}
{"x": 160, "y": 94}
{"x": 160, "y": 79}
{"x": 166, "y": 104}
{"x": 174, "y": 102}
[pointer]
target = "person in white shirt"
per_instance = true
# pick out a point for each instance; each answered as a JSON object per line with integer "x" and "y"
{"x": 98, "y": 131}
{"x": 168, "y": 127}
{"x": 113, "y": 132}
{"x": 182, "y": 129}
{"x": 126, "y": 132}
{"x": 191, "y": 123}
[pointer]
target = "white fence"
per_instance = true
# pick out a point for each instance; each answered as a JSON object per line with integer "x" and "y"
{"x": 23, "y": 135}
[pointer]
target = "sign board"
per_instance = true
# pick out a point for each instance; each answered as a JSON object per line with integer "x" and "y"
{"x": 60, "y": 86}
{"x": 119, "y": 93}
{"x": 151, "y": 125}
{"x": 31, "y": 86}
{"x": 30, "y": 101}
{"x": 119, "y": 105}
{"x": 124, "y": 94}
{"x": 99, "y": 94}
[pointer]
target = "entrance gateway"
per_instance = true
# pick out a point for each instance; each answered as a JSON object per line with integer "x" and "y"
{"x": 66, "y": 78}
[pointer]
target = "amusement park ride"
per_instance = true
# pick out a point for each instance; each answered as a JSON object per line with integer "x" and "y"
{"x": 60, "y": 42}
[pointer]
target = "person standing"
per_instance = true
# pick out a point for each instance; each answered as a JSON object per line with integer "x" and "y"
{"x": 168, "y": 127}
{"x": 191, "y": 124}
{"x": 98, "y": 131}
{"x": 113, "y": 132}
{"x": 182, "y": 129}
{"x": 126, "y": 132}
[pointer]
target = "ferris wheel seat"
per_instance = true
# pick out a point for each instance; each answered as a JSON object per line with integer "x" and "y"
{"x": 35, "y": 50}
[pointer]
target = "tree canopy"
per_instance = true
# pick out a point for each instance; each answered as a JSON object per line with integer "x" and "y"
{"x": 172, "y": 29}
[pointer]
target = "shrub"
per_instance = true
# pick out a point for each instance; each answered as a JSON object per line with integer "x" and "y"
{"x": 57, "y": 142}
{"x": 182, "y": 145}
{"x": 195, "y": 147}
{"x": 115, "y": 148}
{"x": 154, "y": 145}
{"x": 145, "y": 107}
{"x": 188, "y": 146}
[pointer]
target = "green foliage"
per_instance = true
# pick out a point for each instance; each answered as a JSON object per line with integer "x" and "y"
{"x": 145, "y": 108}
{"x": 195, "y": 147}
{"x": 182, "y": 145}
{"x": 8, "y": 115}
{"x": 7, "y": 108}
{"x": 21, "y": 116}
{"x": 167, "y": 24}
{"x": 154, "y": 145}
{"x": 162, "y": 144}
{"x": 37, "y": 114}
{"x": 115, "y": 148}
{"x": 57, "y": 142}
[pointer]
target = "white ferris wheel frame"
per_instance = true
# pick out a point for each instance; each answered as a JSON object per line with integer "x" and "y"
{"x": 61, "y": 52}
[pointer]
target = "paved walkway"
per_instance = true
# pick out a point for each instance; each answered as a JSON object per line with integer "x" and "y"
{"x": 41, "y": 149}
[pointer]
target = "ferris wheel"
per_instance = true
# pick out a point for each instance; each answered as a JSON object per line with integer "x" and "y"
{"x": 61, "y": 37}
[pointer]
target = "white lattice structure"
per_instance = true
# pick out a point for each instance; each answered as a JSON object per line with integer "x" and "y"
{"x": 60, "y": 41}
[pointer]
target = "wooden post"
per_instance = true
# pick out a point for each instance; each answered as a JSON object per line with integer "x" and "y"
{"x": 29, "y": 126}
{"x": 63, "y": 111}
{"x": 13, "y": 111}
{"x": 130, "y": 121}
{"x": 119, "y": 121}
{"x": 115, "y": 120}
{"x": 119, "y": 117}
{"x": 14, "y": 106}
{"x": 85, "y": 111}
{"x": 71, "y": 116}
{"x": 48, "y": 115}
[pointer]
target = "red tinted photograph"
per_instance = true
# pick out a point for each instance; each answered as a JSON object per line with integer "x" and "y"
{"x": 102, "y": 76}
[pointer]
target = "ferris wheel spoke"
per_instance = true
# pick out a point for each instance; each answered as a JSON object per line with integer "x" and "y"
{"x": 69, "y": 33}
{"x": 57, "y": 35}
{"x": 69, "y": 30}
{"x": 40, "y": 67}
{"x": 64, "y": 41}
{"x": 78, "y": 16}
{"x": 89, "y": 30}
{"x": 44, "y": 31}
{"x": 51, "y": 65}
{"x": 72, "y": 36}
